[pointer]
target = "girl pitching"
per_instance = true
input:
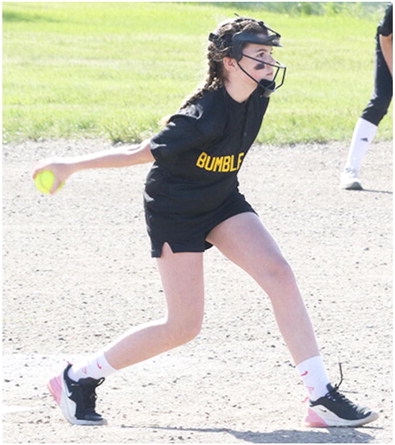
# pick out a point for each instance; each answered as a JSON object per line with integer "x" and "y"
{"x": 192, "y": 203}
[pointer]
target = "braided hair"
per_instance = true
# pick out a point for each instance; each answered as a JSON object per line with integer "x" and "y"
{"x": 220, "y": 46}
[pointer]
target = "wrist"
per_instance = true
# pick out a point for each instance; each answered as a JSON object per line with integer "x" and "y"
{"x": 71, "y": 165}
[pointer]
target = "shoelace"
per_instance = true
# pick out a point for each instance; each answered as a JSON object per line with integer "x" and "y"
{"x": 337, "y": 386}
{"x": 351, "y": 173}
{"x": 89, "y": 394}
{"x": 336, "y": 396}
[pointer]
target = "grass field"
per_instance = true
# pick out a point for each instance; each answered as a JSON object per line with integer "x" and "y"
{"x": 115, "y": 69}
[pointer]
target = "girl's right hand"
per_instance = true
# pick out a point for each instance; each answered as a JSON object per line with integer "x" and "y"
{"x": 59, "y": 167}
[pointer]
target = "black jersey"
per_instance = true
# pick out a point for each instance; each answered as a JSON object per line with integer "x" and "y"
{"x": 199, "y": 153}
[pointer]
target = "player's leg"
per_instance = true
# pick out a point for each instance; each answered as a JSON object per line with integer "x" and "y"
{"x": 367, "y": 125}
{"x": 182, "y": 280}
{"x": 363, "y": 134}
{"x": 246, "y": 242}
{"x": 182, "y": 277}
{"x": 382, "y": 92}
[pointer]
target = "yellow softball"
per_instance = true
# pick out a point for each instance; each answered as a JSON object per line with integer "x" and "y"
{"x": 44, "y": 181}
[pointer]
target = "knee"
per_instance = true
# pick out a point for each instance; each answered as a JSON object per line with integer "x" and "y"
{"x": 181, "y": 331}
{"x": 280, "y": 272}
{"x": 376, "y": 109}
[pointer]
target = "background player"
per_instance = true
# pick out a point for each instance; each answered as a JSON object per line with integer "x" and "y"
{"x": 366, "y": 128}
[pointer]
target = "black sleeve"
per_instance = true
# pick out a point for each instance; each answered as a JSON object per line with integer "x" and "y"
{"x": 180, "y": 134}
{"x": 193, "y": 127}
{"x": 385, "y": 27}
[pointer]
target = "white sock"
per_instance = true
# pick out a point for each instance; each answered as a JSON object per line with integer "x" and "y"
{"x": 313, "y": 374}
{"x": 95, "y": 367}
{"x": 364, "y": 133}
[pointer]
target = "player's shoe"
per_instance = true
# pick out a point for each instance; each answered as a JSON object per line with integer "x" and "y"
{"x": 334, "y": 409}
{"x": 350, "y": 180}
{"x": 77, "y": 400}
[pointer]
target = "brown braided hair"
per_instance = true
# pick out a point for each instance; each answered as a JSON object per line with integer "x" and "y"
{"x": 220, "y": 46}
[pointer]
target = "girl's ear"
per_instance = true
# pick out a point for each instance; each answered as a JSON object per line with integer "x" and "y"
{"x": 229, "y": 64}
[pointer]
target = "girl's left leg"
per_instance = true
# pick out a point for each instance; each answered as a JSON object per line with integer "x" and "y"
{"x": 245, "y": 241}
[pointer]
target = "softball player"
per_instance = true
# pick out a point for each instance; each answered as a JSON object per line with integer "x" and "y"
{"x": 366, "y": 128}
{"x": 192, "y": 202}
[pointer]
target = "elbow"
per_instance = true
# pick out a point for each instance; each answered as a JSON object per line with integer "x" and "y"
{"x": 141, "y": 154}
{"x": 146, "y": 153}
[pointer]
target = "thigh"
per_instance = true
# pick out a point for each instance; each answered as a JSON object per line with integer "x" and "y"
{"x": 183, "y": 284}
{"x": 381, "y": 97}
{"x": 383, "y": 79}
{"x": 246, "y": 242}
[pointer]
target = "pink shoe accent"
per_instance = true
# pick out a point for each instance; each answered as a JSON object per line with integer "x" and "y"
{"x": 313, "y": 419}
{"x": 55, "y": 388}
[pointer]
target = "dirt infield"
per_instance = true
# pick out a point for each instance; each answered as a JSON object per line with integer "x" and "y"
{"x": 77, "y": 273}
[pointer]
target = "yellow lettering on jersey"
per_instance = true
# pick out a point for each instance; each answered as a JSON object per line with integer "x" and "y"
{"x": 221, "y": 164}
{"x": 226, "y": 164}
{"x": 209, "y": 163}
{"x": 240, "y": 160}
{"x": 217, "y": 164}
{"x": 201, "y": 160}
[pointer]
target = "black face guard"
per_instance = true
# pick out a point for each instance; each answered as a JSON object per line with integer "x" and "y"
{"x": 268, "y": 86}
{"x": 268, "y": 37}
{"x": 271, "y": 39}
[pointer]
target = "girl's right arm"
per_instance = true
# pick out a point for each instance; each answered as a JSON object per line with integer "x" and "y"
{"x": 112, "y": 158}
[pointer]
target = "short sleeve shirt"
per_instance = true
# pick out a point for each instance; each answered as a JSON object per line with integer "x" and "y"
{"x": 385, "y": 26}
{"x": 199, "y": 153}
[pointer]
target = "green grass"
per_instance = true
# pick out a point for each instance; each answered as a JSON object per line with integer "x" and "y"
{"x": 115, "y": 69}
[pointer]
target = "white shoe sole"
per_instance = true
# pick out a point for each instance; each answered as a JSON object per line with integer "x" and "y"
{"x": 317, "y": 418}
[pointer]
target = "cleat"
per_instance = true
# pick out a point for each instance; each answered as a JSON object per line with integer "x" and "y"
{"x": 350, "y": 180}
{"x": 334, "y": 409}
{"x": 77, "y": 400}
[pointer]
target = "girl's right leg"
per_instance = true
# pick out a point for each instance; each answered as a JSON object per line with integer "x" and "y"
{"x": 182, "y": 278}
{"x": 183, "y": 284}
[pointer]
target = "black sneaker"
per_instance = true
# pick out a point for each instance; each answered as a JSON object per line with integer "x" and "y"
{"x": 334, "y": 409}
{"x": 77, "y": 400}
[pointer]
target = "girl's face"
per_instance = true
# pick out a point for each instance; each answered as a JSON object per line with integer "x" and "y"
{"x": 258, "y": 69}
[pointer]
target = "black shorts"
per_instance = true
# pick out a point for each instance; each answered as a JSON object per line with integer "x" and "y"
{"x": 187, "y": 233}
{"x": 381, "y": 97}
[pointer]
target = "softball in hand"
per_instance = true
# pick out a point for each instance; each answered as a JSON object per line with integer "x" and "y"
{"x": 44, "y": 181}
